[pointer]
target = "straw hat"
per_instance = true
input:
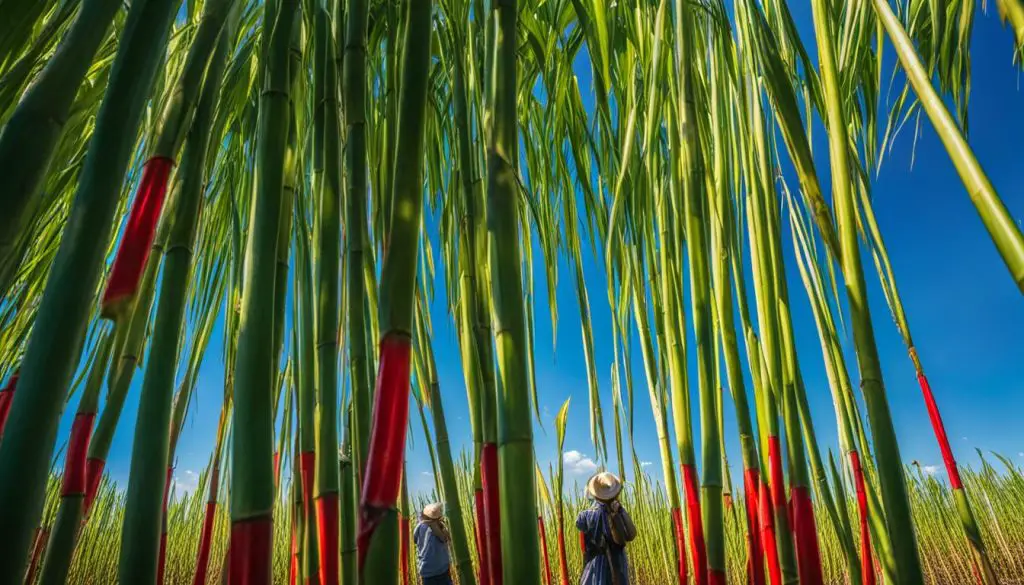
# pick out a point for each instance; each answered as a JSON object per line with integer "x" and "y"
{"x": 605, "y": 486}
{"x": 434, "y": 511}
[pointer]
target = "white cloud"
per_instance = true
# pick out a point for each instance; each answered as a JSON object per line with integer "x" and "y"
{"x": 1020, "y": 454}
{"x": 578, "y": 463}
{"x": 930, "y": 469}
{"x": 185, "y": 482}
{"x": 646, "y": 463}
{"x": 426, "y": 474}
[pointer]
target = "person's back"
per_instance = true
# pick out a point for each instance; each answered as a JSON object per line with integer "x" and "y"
{"x": 431, "y": 538}
{"x": 606, "y": 529}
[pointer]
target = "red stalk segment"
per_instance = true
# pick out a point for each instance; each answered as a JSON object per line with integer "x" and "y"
{"x": 387, "y": 439}
{"x": 492, "y": 512}
{"x": 293, "y": 568}
{"x": 697, "y": 546}
{"x": 250, "y": 539}
{"x": 6, "y": 399}
{"x": 403, "y": 549}
{"x": 93, "y": 474}
{"x": 940, "y": 431}
{"x": 484, "y": 576}
{"x": 806, "y": 532}
{"x": 677, "y": 523}
{"x": 205, "y": 539}
{"x": 74, "y": 482}
{"x": 327, "y": 537}
{"x": 866, "y": 568}
{"x": 755, "y": 559}
{"x": 563, "y": 566}
{"x": 767, "y": 525}
{"x": 133, "y": 251}
{"x": 42, "y": 537}
{"x": 544, "y": 550}
{"x": 277, "y": 467}
{"x": 716, "y": 577}
{"x": 583, "y": 545}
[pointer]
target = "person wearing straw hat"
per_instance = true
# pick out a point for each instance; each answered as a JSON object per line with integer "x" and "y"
{"x": 431, "y": 537}
{"x": 606, "y": 528}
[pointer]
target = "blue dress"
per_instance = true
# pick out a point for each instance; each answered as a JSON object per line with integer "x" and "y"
{"x": 597, "y": 534}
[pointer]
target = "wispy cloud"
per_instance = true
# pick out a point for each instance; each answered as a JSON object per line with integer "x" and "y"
{"x": 426, "y": 474}
{"x": 578, "y": 463}
{"x": 185, "y": 482}
{"x": 930, "y": 469}
{"x": 646, "y": 463}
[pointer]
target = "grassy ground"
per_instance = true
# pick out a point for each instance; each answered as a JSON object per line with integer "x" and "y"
{"x": 998, "y": 500}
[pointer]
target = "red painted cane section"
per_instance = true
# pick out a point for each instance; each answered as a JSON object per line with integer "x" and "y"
{"x": 250, "y": 552}
{"x": 778, "y": 485}
{"x": 6, "y": 399}
{"x": 716, "y": 577}
{"x": 205, "y": 540}
{"x": 492, "y": 509}
{"x": 137, "y": 240}
{"x": 755, "y": 553}
{"x": 806, "y": 532}
{"x": 93, "y": 474}
{"x": 697, "y": 546}
{"x": 940, "y": 432}
{"x": 866, "y": 567}
{"x": 327, "y": 532}
{"x": 563, "y": 565}
{"x": 42, "y": 535}
{"x": 75, "y": 473}
{"x": 544, "y": 550}
{"x": 387, "y": 439}
{"x": 682, "y": 571}
{"x": 768, "y": 540}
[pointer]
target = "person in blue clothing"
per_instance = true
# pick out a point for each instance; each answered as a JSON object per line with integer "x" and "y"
{"x": 606, "y": 528}
{"x": 431, "y": 537}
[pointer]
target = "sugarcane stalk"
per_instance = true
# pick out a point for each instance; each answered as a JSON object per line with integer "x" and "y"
{"x": 68, "y": 522}
{"x": 378, "y": 529}
{"x": 54, "y": 347}
{"x": 150, "y": 467}
{"x": 328, "y": 299}
{"x": 305, "y": 370}
{"x": 890, "y": 466}
{"x": 31, "y": 134}
{"x": 453, "y": 507}
{"x": 1002, "y": 228}
{"x": 515, "y": 427}
{"x": 252, "y": 494}
{"x": 356, "y": 238}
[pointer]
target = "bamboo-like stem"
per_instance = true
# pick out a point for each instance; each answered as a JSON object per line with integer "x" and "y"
{"x": 66, "y": 525}
{"x": 1005, "y": 232}
{"x": 252, "y": 472}
{"x": 515, "y": 425}
{"x": 890, "y": 465}
{"x": 54, "y": 347}
{"x": 151, "y": 451}
{"x": 31, "y": 134}
{"x": 378, "y": 538}
{"x": 453, "y": 507}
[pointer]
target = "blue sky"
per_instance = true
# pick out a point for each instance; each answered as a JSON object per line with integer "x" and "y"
{"x": 964, "y": 311}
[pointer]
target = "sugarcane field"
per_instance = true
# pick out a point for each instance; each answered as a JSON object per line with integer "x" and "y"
{"x": 511, "y": 292}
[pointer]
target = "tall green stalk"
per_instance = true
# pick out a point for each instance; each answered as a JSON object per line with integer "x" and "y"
{"x": 1001, "y": 226}
{"x": 328, "y": 300}
{"x": 378, "y": 537}
{"x": 140, "y": 534}
{"x": 252, "y": 473}
{"x": 356, "y": 238}
{"x": 31, "y": 134}
{"x": 515, "y": 425}
{"x": 890, "y": 464}
{"x": 54, "y": 347}
{"x": 453, "y": 507}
